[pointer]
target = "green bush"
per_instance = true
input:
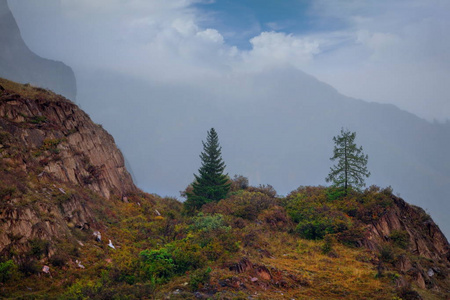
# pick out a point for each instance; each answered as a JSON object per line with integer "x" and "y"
{"x": 7, "y": 270}
{"x": 319, "y": 211}
{"x": 208, "y": 223}
{"x": 187, "y": 255}
{"x": 158, "y": 264}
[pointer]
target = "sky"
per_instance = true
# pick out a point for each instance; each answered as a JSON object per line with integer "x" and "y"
{"x": 384, "y": 51}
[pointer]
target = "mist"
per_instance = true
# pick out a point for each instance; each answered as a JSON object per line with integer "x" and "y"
{"x": 158, "y": 75}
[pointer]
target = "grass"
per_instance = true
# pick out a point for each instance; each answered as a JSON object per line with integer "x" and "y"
{"x": 30, "y": 92}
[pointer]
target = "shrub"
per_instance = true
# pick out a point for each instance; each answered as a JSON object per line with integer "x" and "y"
{"x": 244, "y": 204}
{"x": 7, "y": 270}
{"x": 59, "y": 259}
{"x": 400, "y": 238}
{"x": 38, "y": 248}
{"x": 276, "y": 217}
{"x": 386, "y": 253}
{"x": 198, "y": 278}
{"x": 29, "y": 267}
{"x": 264, "y": 189}
{"x": 239, "y": 182}
{"x": 208, "y": 223}
{"x": 187, "y": 255}
{"x": 158, "y": 264}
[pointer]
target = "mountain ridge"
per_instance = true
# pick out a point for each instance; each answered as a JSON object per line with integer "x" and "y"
{"x": 19, "y": 63}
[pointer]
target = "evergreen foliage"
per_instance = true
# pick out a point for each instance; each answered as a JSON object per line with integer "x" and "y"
{"x": 352, "y": 163}
{"x": 211, "y": 184}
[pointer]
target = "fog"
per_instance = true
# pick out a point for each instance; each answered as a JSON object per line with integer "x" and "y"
{"x": 158, "y": 74}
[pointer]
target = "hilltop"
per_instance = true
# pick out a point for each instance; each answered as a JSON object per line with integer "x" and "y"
{"x": 68, "y": 203}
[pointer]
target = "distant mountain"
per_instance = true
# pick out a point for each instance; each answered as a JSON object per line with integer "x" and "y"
{"x": 275, "y": 127}
{"x": 19, "y": 63}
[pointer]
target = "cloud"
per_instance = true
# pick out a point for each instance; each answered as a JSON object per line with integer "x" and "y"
{"x": 384, "y": 51}
{"x": 390, "y": 52}
{"x": 277, "y": 48}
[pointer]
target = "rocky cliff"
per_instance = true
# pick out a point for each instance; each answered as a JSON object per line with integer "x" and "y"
{"x": 19, "y": 63}
{"x": 424, "y": 238}
{"x": 412, "y": 229}
{"x": 51, "y": 152}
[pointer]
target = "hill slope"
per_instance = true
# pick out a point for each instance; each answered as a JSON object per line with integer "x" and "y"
{"x": 68, "y": 203}
{"x": 49, "y": 146}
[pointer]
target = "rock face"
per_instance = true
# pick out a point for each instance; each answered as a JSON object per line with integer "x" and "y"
{"x": 19, "y": 63}
{"x": 87, "y": 154}
{"x": 423, "y": 236}
{"x": 427, "y": 249}
{"x": 50, "y": 154}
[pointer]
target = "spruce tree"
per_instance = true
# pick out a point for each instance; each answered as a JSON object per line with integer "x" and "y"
{"x": 352, "y": 163}
{"x": 210, "y": 184}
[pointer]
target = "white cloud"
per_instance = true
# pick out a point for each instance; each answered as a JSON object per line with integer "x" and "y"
{"x": 277, "y": 48}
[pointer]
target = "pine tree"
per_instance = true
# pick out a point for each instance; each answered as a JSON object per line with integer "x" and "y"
{"x": 210, "y": 184}
{"x": 352, "y": 163}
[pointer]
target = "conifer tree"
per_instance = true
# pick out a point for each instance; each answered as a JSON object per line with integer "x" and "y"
{"x": 352, "y": 163}
{"x": 210, "y": 184}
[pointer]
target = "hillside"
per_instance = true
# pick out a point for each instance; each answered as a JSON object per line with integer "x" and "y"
{"x": 68, "y": 203}
{"x": 275, "y": 126}
{"x": 19, "y": 63}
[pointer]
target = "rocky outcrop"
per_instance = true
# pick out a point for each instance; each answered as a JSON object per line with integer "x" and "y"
{"x": 51, "y": 155}
{"x": 426, "y": 251}
{"x": 81, "y": 152}
{"x": 19, "y": 63}
{"x": 424, "y": 238}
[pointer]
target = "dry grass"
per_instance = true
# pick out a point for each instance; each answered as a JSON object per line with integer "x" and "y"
{"x": 28, "y": 91}
{"x": 344, "y": 276}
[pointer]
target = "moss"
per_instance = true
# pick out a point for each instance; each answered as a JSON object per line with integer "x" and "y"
{"x": 38, "y": 120}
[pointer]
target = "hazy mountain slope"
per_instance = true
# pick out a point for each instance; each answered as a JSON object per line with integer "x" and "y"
{"x": 273, "y": 131}
{"x": 19, "y": 63}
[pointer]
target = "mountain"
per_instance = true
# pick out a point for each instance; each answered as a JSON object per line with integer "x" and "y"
{"x": 19, "y": 63}
{"x": 73, "y": 226}
{"x": 275, "y": 126}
